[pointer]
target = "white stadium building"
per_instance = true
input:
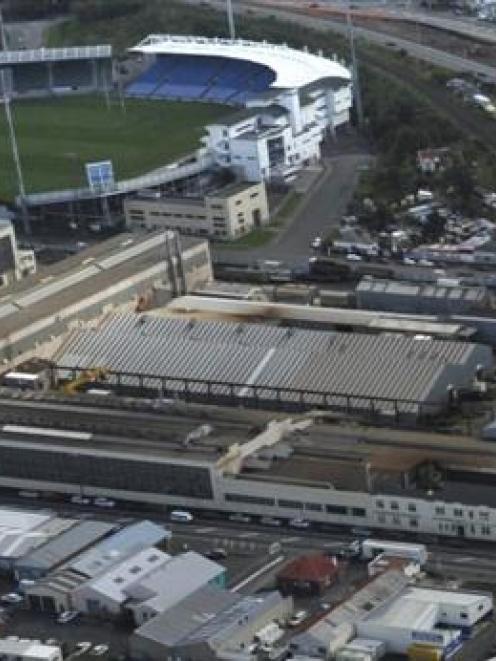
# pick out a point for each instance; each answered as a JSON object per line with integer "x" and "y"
{"x": 287, "y": 100}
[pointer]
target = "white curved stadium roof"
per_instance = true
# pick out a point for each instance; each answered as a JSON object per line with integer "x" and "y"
{"x": 293, "y": 68}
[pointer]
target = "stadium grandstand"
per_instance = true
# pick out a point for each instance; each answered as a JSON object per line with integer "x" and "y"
{"x": 55, "y": 71}
{"x": 290, "y": 99}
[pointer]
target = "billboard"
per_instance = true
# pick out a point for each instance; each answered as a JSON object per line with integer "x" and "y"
{"x": 100, "y": 176}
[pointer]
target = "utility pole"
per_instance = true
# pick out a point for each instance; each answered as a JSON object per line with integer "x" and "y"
{"x": 12, "y": 134}
{"x": 354, "y": 69}
{"x": 230, "y": 19}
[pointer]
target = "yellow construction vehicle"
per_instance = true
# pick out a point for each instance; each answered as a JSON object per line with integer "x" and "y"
{"x": 95, "y": 375}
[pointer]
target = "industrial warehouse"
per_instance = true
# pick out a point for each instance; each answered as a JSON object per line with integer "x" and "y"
{"x": 229, "y": 461}
{"x": 38, "y": 310}
{"x": 285, "y": 366}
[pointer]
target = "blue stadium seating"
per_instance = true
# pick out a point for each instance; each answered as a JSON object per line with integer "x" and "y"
{"x": 201, "y": 78}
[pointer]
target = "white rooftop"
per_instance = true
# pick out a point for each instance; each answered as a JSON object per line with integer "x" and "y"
{"x": 293, "y": 68}
{"x": 113, "y": 583}
{"x": 420, "y": 607}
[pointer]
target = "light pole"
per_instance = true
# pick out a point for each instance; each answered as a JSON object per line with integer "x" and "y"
{"x": 354, "y": 69}
{"x": 12, "y": 134}
{"x": 230, "y": 19}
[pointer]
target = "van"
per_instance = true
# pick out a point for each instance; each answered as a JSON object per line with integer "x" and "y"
{"x": 181, "y": 516}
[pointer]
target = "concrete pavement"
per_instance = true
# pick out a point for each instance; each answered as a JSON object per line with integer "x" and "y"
{"x": 319, "y": 211}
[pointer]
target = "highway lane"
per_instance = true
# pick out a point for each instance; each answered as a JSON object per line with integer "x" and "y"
{"x": 419, "y": 51}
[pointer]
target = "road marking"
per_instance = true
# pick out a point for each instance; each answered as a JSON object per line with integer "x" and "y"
{"x": 259, "y": 572}
{"x": 290, "y": 540}
{"x": 247, "y": 535}
{"x": 205, "y": 530}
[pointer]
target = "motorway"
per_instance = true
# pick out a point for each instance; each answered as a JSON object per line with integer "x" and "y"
{"x": 419, "y": 51}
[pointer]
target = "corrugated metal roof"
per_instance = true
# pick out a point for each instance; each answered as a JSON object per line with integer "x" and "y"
{"x": 191, "y": 613}
{"x": 66, "y": 545}
{"x": 388, "y": 366}
{"x": 118, "y": 546}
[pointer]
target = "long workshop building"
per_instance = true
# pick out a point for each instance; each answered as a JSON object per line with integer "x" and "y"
{"x": 242, "y": 461}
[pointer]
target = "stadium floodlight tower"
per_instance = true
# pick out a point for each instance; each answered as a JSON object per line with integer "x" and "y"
{"x": 12, "y": 133}
{"x": 230, "y": 19}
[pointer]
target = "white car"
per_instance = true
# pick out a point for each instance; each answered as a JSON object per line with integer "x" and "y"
{"x": 67, "y": 616}
{"x": 82, "y": 648}
{"x": 298, "y": 618}
{"x": 271, "y": 521}
{"x": 12, "y": 598}
{"x": 316, "y": 243}
{"x": 299, "y": 523}
{"x": 425, "y": 262}
{"x": 408, "y": 261}
{"x": 353, "y": 257}
{"x": 80, "y": 500}
{"x": 99, "y": 650}
{"x": 104, "y": 502}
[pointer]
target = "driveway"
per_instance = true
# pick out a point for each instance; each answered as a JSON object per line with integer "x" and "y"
{"x": 319, "y": 211}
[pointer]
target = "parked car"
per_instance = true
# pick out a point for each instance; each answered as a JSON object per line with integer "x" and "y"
{"x": 408, "y": 261}
{"x": 67, "y": 616}
{"x": 270, "y": 521}
{"x": 353, "y": 257}
{"x": 316, "y": 244}
{"x": 240, "y": 518}
{"x": 99, "y": 650}
{"x": 104, "y": 502}
{"x": 80, "y": 500}
{"x": 12, "y": 598}
{"x": 297, "y": 618}
{"x": 299, "y": 523}
{"x": 82, "y": 648}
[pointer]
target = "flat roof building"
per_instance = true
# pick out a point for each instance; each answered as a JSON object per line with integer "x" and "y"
{"x": 225, "y": 214}
{"x": 61, "y": 549}
{"x": 425, "y": 616}
{"x": 209, "y": 624}
{"x": 147, "y": 583}
{"x": 54, "y": 592}
{"x": 28, "y": 650}
{"x": 421, "y": 298}
{"x": 36, "y": 312}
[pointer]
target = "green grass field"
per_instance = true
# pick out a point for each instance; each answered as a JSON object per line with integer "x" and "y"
{"x": 58, "y": 136}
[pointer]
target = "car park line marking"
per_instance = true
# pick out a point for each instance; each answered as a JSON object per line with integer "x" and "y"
{"x": 290, "y": 540}
{"x": 248, "y": 534}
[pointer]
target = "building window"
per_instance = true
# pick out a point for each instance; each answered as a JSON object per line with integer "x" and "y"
{"x": 254, "y": 500}
{"x": 394, "y": 505}
{"x": 396, "y": 520}
{"x": 381, "y": 518}
{"x": 412, "y": 507}
{"x": 358, "y": 511}
{"x": 457, "y": 512}
{"x": 485, "y": 530}
{"x": 292, "y": 504}
{"x": 380, "y": 504}
{"x": 336, "y": 509}
{"x": 414, "y": 523}
{"x": 440, "y": 510}
{"x": 313, "y": 507}
{"x": 484, "y": 515}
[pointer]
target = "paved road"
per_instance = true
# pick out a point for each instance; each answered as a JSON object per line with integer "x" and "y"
{"x": 321, "y": 209}
{"x": 420, "y": 51}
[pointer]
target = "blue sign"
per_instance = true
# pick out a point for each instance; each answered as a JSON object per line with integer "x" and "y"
{"x": 100, "y": 175}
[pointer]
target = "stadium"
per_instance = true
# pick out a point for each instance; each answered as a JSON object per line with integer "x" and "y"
{"x": 269, "y": 109}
